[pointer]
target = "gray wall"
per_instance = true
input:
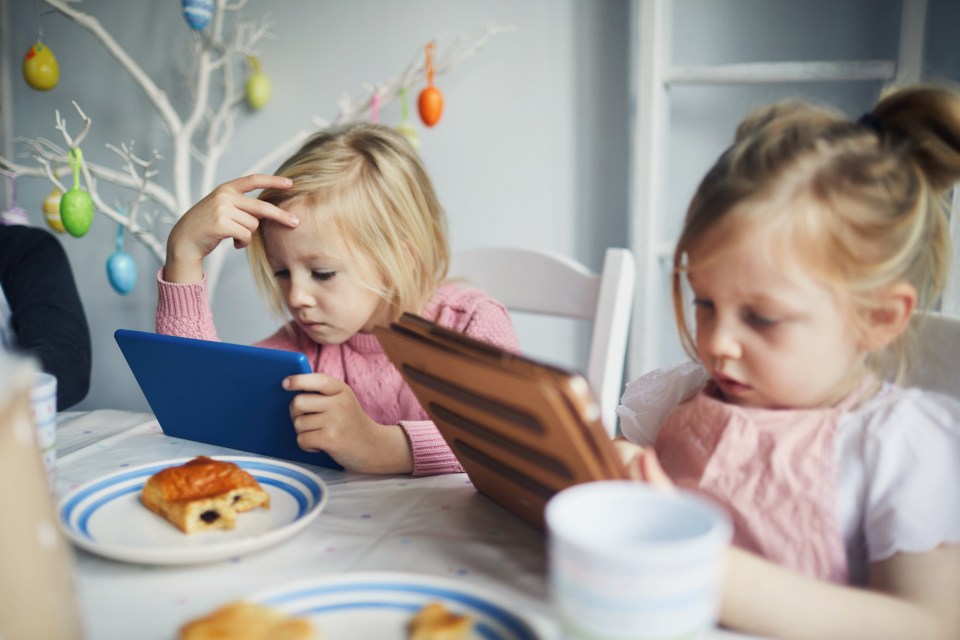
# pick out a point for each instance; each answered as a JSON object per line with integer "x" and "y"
{"x": 530, "y": 151}
{"x": 703, "y": 118}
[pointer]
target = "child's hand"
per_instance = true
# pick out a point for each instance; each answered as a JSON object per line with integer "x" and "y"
{"x": 226, "y": 212}
{"x": 329, "y": 418}
{"x": 641, "y": 463}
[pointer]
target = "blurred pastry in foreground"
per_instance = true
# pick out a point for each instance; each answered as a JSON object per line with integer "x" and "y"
{"x": 247, "y": 621}
{"x": 435, "y": 622}
{"x": 203, "y": 494}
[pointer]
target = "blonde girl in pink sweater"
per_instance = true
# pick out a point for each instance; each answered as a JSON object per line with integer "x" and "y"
{"x": 346, "y": 236}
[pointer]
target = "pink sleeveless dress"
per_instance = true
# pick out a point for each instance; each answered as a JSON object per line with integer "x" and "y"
{"x": 774, "y": 471}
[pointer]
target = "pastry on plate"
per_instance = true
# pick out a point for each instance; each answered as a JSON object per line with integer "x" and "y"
{"x": 203, "y": 494}
{"x": 435, "y": 622}
{"x": 247, "y": 621}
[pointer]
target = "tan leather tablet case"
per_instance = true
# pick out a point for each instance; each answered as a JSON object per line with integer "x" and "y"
{"x": 522, "y": 430}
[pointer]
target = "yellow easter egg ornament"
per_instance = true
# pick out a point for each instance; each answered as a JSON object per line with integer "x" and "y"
{"x": 409, "y": 132}
{"x": 51, "y": 211}
{"x": 258, "y": 86}
{"x": 40, "y": 68}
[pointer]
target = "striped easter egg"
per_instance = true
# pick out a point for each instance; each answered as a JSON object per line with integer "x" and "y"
{"x": 197, "y": 13}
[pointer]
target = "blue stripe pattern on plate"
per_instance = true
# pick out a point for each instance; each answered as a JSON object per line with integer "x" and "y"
{"x": 75, "y": 509}
{"x": 503, "y": 617}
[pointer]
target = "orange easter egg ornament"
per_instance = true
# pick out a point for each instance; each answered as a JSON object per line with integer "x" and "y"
{"x": 430, "y": 105}
{"x": 40, "y": 68}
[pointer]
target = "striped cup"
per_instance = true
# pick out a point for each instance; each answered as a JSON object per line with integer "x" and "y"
{"x": 630, "y": 561}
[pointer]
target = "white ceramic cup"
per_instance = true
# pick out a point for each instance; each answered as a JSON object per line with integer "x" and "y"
{"x": 630, "y": 561}
{"x": 43, "y": 407}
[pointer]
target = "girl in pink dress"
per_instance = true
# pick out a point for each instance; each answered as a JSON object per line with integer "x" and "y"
{"x": 346, "y": 236}
{"x": 805, "y": 252}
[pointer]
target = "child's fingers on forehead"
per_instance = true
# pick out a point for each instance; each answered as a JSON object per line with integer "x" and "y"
{"x": 260, "y": 181}
{"x": 262, "y": 209}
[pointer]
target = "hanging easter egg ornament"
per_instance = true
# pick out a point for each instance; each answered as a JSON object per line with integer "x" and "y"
{"x": 406, "y": 129}
{"x": 76, "y": 206}
{"x": 51, "y": 210}
{"x": 375, "y": 107}
{"x": 40, "y": 68}
{"x": 198, "y": 13}
{"x": 258, "y": 85}
{"x": 121, "y": 269}
{"x": 430, "y": 103}
{"x": 13, "y": 214}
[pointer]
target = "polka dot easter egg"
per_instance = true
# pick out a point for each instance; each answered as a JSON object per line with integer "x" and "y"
{"x": 198, "y": 13}
{"x": 40, "y": 68}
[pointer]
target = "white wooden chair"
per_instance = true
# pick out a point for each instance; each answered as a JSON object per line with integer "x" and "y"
{"x": 936, "y": 364}
{"x": 538, "y": 282}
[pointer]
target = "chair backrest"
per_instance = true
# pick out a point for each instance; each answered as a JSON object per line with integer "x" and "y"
{"x": 936, "y": 366}
{"x": 540, "y": 282}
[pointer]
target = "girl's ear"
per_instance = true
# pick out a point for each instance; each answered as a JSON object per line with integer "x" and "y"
{"x": 891, "y": 315}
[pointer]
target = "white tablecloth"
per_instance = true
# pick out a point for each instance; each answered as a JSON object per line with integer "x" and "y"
{"x": 435, "y": 525}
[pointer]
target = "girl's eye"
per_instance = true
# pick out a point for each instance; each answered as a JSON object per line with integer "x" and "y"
{"x": 703, "y": 303}
{"x": 758, "y": 321}
{"x": 323, "y": 275}
{"x": 280, "y": 274}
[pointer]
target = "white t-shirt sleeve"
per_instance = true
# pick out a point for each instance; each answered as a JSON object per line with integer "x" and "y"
{"x": 647, "y": 400}
{"x": 911, "y": 455}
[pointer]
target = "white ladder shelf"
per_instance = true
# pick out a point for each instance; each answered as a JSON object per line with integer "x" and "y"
{"x": 654, "y": 77}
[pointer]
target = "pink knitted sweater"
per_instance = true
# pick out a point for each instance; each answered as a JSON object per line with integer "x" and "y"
{"x": 183, "y": 310}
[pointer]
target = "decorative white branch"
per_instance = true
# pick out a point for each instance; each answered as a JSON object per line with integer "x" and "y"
{"x": 390, "y": 90}
{"x": 201, "y": 137}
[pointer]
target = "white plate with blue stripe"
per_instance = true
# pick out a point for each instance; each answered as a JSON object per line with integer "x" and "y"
{"x": 379, "y": 606}
{"x": 105, "y": 516}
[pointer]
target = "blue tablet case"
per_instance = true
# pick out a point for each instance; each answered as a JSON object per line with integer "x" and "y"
{"x": 223, "y": 394}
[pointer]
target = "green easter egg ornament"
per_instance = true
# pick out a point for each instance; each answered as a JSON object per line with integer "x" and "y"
{"x": 258, "y": 86}
{"x": 76, "y": 211}
{"x": 76, "y": 205}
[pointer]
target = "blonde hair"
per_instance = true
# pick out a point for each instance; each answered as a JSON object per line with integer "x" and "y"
{"x": 375, "y": 190}
{"x": 863, "y": 202}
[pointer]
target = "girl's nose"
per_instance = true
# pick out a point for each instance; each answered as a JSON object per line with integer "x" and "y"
{"x": 721, "y": 340}
{"x": 298, "y": 295}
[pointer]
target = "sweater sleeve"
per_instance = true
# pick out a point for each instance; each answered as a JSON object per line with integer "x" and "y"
{"x": 480, "y": 317}
{"x": 491, "y": 324}
{"x": 47, "y": 315}
{"x": 184, "y": 310}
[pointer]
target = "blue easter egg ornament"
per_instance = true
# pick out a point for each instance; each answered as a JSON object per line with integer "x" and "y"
{"x": 122, "y": 272}
{"x": 198, "y": 13}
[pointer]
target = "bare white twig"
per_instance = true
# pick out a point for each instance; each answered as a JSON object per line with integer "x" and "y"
{"x": 202, "y": 135}
{"x": 73, "y": 143}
